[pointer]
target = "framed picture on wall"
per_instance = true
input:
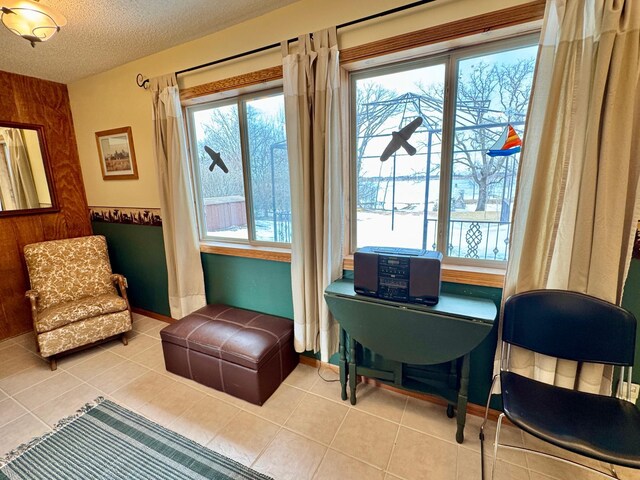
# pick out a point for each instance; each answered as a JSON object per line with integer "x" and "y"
{"x": 117, "y": 157}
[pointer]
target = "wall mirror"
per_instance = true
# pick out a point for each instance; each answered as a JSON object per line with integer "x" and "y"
{"x": 26, "y": 184}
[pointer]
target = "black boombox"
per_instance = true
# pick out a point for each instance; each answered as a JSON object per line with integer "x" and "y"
{"x": 398, "y": 274}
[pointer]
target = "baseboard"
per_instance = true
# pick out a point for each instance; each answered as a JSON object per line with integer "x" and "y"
{"x": 157, "y": 316}
{"x": 472, "y": 408}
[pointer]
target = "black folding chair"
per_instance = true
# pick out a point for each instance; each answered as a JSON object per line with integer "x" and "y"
{"x": 578, "y": 327}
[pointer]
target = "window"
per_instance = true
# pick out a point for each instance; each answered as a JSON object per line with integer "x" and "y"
{"x": 455, "y": 193}
{"x": 241, "y": 169}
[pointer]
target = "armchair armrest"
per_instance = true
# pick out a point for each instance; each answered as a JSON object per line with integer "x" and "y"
{"x": 32, "y": 295}
{"x": 121, "y": 282}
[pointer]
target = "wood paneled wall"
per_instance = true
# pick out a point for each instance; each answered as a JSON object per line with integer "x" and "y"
{"x": 31, "y": 100}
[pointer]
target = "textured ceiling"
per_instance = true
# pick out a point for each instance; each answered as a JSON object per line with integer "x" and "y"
{"x": 101, "y": 34}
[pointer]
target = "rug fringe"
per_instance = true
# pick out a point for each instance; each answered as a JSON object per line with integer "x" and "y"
{"x": 25, "y": 447}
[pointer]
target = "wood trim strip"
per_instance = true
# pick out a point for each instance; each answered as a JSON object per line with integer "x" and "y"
{"x": 495, "y": 20}
{"x": 239, "y": 81}
{"x": 486, "y": 277}
{"x": 157, "y": 316}
{"x": 472, "y": 408}
{"x": 481, "y": 276}
{"x": 248, "y": 251}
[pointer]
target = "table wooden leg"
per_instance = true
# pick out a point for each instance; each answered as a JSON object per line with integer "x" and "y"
{"x": 462, "y": 398}
{"x": 352, "y": 371}
{"x": 343, "y": 364}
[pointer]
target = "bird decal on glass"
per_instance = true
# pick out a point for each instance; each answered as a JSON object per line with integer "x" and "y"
{"x": 215, "y": 160}
{"x": 400, "y": 139}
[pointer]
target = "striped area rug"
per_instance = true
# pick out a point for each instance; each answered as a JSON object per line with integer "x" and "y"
{"x": 107, "y": 441}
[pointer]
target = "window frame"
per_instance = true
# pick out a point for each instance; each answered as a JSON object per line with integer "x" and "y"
{"x": 450, "y": 58}
{"x": 240, "y": 100}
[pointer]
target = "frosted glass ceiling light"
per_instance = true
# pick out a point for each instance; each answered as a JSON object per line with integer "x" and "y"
{"x": 31, "y": 20}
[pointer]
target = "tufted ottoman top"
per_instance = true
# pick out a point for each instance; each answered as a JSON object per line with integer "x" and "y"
{"x": 238, "y": 336}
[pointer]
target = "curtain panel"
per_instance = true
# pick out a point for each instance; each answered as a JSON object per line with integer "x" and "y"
{"x": 577, "y": 199}
{"x": 18, "y": 188}
{"x": 313, "y": 124}
{"x": 179, "y": 230}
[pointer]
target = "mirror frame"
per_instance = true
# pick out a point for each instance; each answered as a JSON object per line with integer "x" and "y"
{"x": 46, "y": 160}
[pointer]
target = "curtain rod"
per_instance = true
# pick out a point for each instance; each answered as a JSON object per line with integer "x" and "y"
{"x": 142, "y": 82}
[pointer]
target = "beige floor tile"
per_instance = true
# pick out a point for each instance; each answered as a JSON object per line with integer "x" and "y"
{"x": 10, "y": 411}
{"x": 390, "y": 476}
{"x": 558, "y": 470}
{"x": 154, "y": 332}
{"x": 335, "y": 465}
{"x": 70, "y": 360}
{"x": 27, "y": 340}
{"x": 48, "y": 390}
{"x": 366, "y": 437}
{"x": 67, "y": 404}
{"x": 16, "y": 358}
{"x": 417, "y": 456}
{"x": 430, "y": 418}
{"x": 628, "y": 473}
{"x": 20, "y": 431}
{"x": 152, "y": 357}
{"x": 317, "y": 418}
{"x": 279, "y": 406}
{"x": 27, "y": 378}
{"x": 2, "y": 394}
{"x": 329, "y": 389}
{"x": 142, "y": 324}
{"x": 168, "y": 406}
{"x": 137, "y": 343}
{"x": 111, "y": 380}
{"x": 144, "y": 389}
{"x": 244, "y": 437}
{"x": 380, "y": 402}
{"x": 303, "y": 376}
{"x": 204, "y": 419}
{"x": 95, "y": 365}
{"x": 290, "y": 457}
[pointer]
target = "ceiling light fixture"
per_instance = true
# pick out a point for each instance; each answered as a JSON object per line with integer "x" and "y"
{"x": 31, "y": 20}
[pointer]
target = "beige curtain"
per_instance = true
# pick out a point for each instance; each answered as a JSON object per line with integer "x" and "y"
{"x": 20, "y": 189}
{"x": 312, "y": 94}
{"x": 577, "y": 199}
{"x": 182, "y": 249}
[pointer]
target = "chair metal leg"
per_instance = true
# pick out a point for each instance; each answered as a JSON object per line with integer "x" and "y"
{"x": 612, "y": 467}
{"x": 484, "y": 422}
{"x": 495, "y": 446}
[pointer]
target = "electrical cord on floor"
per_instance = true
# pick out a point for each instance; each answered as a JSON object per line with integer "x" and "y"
{"x": 320, "y": 366}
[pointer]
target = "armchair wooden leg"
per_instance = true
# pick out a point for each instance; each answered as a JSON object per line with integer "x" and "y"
{"x": 124, "y": 339}
{"x": 53, "y": 363}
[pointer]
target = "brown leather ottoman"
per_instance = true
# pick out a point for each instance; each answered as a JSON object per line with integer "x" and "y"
{"x": 243, "y": 353}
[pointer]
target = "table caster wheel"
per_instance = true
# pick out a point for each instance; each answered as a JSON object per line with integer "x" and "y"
{"x": 450, "y": 411}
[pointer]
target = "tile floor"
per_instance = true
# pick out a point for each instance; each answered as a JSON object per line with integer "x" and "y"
{"x": 303, "y": 431}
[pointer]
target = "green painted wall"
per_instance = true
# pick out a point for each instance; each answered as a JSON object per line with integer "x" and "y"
{"x": 631, "y": 301}
{"x": 259, "y": 285}
{"x": 138, "y": 252}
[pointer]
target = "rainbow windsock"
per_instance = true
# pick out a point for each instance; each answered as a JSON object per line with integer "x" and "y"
{"x": 508, "y": 143}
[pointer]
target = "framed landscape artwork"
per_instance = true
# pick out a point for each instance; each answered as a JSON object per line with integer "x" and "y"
{"x": 117, "y": 157}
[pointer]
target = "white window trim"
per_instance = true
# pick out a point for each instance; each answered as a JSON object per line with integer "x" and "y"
{"x": 450, "y": 58}
{"x": 206, "y": 240}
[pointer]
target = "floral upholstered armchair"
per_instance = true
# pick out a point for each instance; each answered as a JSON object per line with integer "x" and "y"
{"x": 74, "y": 299}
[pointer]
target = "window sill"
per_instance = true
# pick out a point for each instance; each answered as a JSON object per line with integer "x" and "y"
{"x": 275, "y": 254}
{"x": 482, "y": 276}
